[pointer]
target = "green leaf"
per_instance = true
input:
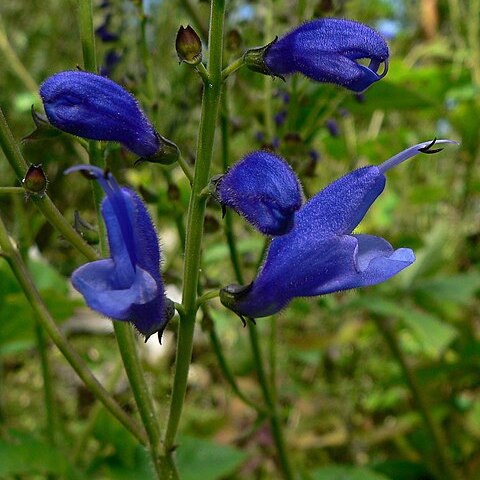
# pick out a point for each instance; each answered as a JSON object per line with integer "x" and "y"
{"x": 339, "y": 472}
{"x": 198, "y": 458}
{"x": 457, "y": 288}
{"x": 16, "y": 315}
{"x": 23, "y": 454}
{"x": 433, "y": 334}
{"x": 402, "y": 470}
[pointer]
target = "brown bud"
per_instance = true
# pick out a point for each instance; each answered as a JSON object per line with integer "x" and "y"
{"x": 35, "y": 180}
{"x": 189, "y": 46}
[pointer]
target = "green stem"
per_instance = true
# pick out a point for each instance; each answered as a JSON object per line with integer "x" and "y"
{"x": 128, "y": 350}
{"x": 271, "y": 405}
{"x": 206, "y": 297}
{"x": 233, "y": 67}
{"x": 186, "y": 168}
{"x": 446, "y": 468}
{"x": 272, "y": 356}
{"x": 48, "y": 390}
{"x": 203, "y": 72}
{"x": 44, "y": 204}
{"x": 224, "y": 367}
{"x": 21, "y": 273}
{"x": 87, "y": 35}
{"x": 195, "y": 219}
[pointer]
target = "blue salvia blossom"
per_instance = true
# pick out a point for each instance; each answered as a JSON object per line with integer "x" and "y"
{"x": 326, "y": 50}
{"x": 97, "y": 108}
{"x": 127, "y": 286}
{"x": 263, "y": 188}
{"x": 321, "y": 254}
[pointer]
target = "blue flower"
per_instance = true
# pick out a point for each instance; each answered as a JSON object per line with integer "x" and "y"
{"x": 97, "y": 108}
{"x": 127, "y": 286}
{"x": 326, "y": 50}
{"x": 321, "y": 255}
{"x": 264, "y": 189}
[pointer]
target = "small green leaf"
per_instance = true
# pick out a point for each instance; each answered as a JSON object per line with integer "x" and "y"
{"x": 24, "y": 454}
{"x": 198, "y": 458}
{"x": 339, "y": 472}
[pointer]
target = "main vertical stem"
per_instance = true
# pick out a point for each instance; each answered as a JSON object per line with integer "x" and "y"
{"x": 196, "y": 214}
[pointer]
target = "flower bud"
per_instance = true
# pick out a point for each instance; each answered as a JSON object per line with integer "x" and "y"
{"x": 326, "y": 50}
{"x": 95, "y": 107}
{"x": 264, "y": 189}
{"x": 189, "y": 46}
{"x": 35, "y": 180}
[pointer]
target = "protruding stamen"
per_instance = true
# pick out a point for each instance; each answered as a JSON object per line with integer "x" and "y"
{"x": 424, "y": 147}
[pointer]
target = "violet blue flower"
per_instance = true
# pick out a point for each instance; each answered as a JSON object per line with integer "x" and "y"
{"x": 97, "y": 108}
{"x": 127, "y": 286}
{"x": 264, "y": 189}
{"x": 321, "y": 254}
{"x": 325, "y": 50}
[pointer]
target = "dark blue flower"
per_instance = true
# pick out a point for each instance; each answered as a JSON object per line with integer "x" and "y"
{"x": 326, "y": 50}
{"x": 95, "y": 107}
{"x": 321, "y": 255}
{"x": 264, "y": 189}
{"x": 127, "y": 286}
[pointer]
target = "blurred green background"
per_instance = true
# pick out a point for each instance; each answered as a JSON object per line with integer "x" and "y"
{"x": 352, "y": 368}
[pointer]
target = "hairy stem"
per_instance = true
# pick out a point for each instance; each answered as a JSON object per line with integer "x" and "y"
{"x": 195, "y": 219}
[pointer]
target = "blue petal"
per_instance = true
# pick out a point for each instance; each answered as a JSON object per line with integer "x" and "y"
{"x": 96, "y": 281}
{"x": 340, "y": 206}
{"x": 129, "y": 285}
{"x": 375, "y": 261}
{"x": 95, "y": 107}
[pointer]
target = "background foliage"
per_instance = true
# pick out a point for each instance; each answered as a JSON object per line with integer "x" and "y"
{"x": 352, "y": 368}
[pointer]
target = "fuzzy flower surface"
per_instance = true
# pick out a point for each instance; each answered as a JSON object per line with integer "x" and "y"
{"x": 127, "y": 286}
{"x": 321, "y": 254}
{"x": 263, "y": 188}
{"x": 95, "y": 107}
{"x": 328, "y": 50}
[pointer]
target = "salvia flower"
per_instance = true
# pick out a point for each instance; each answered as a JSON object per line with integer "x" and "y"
{"x": 97, "y": 108}
{"x": 127, "y": 286}
{"x": 264, "y": 189}
{"x": 321, "y": 255}
{"x": 326, "y": 50}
